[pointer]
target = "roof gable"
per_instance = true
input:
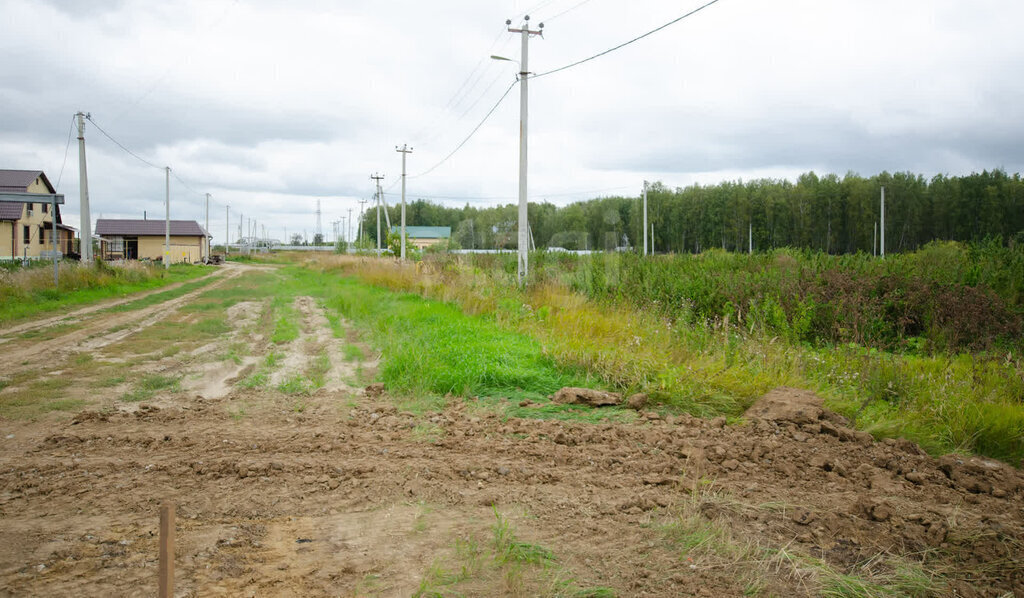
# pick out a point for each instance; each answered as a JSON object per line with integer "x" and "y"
{"x": 148, "y": 228}
{"x": 20, "y": 180}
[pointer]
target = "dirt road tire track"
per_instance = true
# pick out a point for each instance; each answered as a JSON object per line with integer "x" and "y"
{"x": 90, "y": 335}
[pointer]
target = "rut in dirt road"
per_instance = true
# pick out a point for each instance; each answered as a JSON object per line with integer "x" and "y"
{"x": 98, "y": 329}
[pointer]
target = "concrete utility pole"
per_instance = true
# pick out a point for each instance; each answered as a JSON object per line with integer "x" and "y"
{"x": 360, "y": 229}
{"x": 376, "y": 178}
{"x": 645, "y": 217}
{"x": 882, "y": 228}
{"x": 167, "y": 217}
{"x": 207, "y": 227}
{"x": 83, "y": 194}
{"x": 348, "y": 226}
{"x": 403, "y": 151}
{"x": 227, "y": 225}
{"x": 524, "y": 74}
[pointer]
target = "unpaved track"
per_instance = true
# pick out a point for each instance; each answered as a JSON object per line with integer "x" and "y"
{"x": 71, "y": 317}
{"x": 95, "y": 328}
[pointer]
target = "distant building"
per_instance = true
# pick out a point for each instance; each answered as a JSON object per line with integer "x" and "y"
{"x": 144, "y": 240}
{"x": 26, "y": 229}
{"x": 425, "y": 236}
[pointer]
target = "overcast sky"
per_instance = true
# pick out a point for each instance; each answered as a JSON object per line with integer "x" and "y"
{"x": 270, "y": 105}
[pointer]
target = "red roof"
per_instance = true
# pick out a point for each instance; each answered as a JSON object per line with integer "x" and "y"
{"x": 147, "y": 228}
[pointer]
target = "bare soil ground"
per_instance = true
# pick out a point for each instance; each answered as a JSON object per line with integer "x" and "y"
{"x": 343, "y": 492}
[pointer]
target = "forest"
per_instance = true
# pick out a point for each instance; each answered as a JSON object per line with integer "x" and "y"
{"x": 836, "y": 215}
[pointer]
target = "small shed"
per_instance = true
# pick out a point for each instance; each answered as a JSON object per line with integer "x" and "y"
{"x": 144, "y": 240}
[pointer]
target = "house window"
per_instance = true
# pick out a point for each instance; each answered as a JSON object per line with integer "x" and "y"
{"x": 116, "y": 245}
{"x": 31, "y": 207}
{"x": 26, "y": 235}
{"x": 42, "y": 233}
{"x": 46, "y": 208}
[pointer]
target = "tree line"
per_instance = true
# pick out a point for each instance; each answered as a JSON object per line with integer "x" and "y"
{"x": 827, "y": 213}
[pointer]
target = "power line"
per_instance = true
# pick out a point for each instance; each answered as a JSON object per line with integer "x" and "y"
{"x": 623, "y": 45}
{"x": 67, "y": 146}
{"x": 468, "y": 137}
{"x": 120, "y": 145}
{"x": 570, "y": 9}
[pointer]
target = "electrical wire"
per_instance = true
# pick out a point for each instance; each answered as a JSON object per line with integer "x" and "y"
{"x": 186, "y": 185}
{"x": 568, "y": 10}
{"x": 120, "y": 145}
{"x": 471, "y": 133}
{"x": 67, "y": 146}
{"x": 623, "y": 45}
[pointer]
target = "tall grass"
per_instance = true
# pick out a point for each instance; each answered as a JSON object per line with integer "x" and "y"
{"x": 705, "y": 366}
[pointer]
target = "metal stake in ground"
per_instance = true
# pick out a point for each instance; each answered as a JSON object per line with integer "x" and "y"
{"x": 166, "y": 572}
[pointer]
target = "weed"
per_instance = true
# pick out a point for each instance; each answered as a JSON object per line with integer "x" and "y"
{"x": 109, "y": 381}
{"x": 508, "y": 548}
{"x": 294, "y": 384}
{"x": 255, "y": 380}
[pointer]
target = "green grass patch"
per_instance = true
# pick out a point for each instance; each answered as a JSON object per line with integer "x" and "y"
{"x": 255, "y": 380}
{"x": 149, "y": 385}
{"x": 286, "y": 326}
{"x": 295, "y": 384}
{"x": 353, "y": 352}
{"x": 211, "y": 326}
{"x": 432, "y": 347}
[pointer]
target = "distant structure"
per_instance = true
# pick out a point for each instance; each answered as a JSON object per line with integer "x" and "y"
{"x": 319, "y": 229}
{"x": 422, "y": 237}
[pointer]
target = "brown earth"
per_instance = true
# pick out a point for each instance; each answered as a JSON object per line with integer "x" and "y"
{"x": 357, "y": 493}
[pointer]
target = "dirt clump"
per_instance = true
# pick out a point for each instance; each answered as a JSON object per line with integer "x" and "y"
{"x": 785, "y": 404}
{"x": 637, "y": 401}
{"x": 586, "y": 396}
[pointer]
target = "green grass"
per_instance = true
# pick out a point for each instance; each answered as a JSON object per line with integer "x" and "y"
{"x": 255, "y": 380}
{"x": 432, "y": 347}
{"x": 286, "y": 327}
{"x": 353, "y": 352}
{"x": 162, "y": 296}
{"x": 149, "y": 385}
{"x": 81, "y": 286}
{"x": 505, "y": 565}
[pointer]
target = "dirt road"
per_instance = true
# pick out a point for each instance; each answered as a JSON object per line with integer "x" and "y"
{"x": 337, "y": 491}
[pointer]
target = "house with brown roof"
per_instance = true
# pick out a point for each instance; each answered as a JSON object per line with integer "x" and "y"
{"x": 144, "y": 240}
{"x": 26, "y": 229}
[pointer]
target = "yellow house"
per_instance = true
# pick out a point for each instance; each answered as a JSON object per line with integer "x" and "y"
{"x": 26, "y": 229}
{"x": 144, "y": 240}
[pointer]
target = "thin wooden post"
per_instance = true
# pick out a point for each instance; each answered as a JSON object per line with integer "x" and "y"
{"x": 166, "y": 550}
